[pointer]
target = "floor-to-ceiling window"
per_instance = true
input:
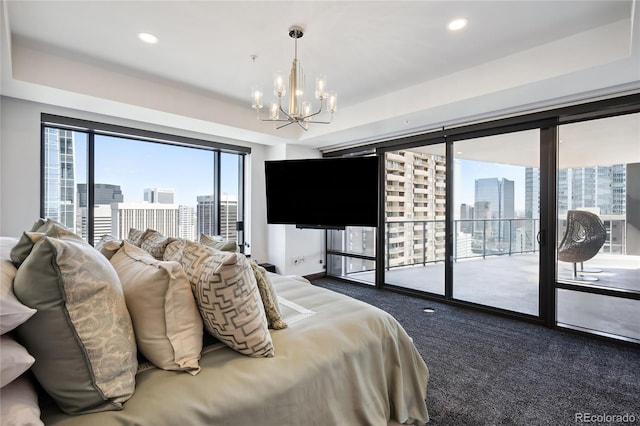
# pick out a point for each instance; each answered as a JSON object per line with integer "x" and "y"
{"x": 414, "y": 218}
{"x": 496, "y": 219}
{"x": 498, "y": 239}
{"x": 100, "y": 184}
{"x": 598, "y": 226}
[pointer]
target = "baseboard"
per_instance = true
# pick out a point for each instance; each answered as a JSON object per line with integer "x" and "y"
{"x": 315, "y": 276}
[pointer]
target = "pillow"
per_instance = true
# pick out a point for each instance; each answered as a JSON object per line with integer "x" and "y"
{"x": 218, "y": 244}
{"x": 228, "y": 298}
{"x": 12, "y": 312}
{"x": 81, "y": 334}
{"x": 19, "y": 404}
{"x": 108, "y": 245}
{"x": 23, "y": 247}
{"x": 174, "y": 250}
{"x": 136, "y": 235}
{"x": 155, "y": 243}
{"x": 15, "y": 360}
{"x": 269, "y": 297}
{"x": 164, "y": 313}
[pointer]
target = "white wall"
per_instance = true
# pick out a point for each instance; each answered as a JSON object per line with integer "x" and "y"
{"x": 286, "y": 241}
{"x": 20, "y": 169}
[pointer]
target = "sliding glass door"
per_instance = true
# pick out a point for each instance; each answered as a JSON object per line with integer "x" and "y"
{"x": 496, "y": 219}
{"x": 598, "y": 226}
{"x": 414, "y": 221}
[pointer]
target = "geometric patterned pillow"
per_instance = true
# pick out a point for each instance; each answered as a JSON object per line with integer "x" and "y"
{"x": 81, "y": 334}
{"x": 228, "y": 298}
{"x": 155, "y": 243}
{"x": 269, "y": 297}
{"x": 174, "y": 250}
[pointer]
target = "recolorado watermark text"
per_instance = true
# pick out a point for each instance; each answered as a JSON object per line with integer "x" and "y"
{"x": 605, "y": 418}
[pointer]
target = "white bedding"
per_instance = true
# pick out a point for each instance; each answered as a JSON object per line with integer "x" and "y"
{"x": 340, "y": 362}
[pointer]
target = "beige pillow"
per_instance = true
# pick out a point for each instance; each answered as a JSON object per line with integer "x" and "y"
{"x": 228, "y": 298}
{"x": 165, "y": 316}
{"x": 218, "y": 243}
{"x": 269, "y": 297}
{"x": 81, "y": 335}
{"x": 108, "y": 245}
{"x": 155, "y": 243}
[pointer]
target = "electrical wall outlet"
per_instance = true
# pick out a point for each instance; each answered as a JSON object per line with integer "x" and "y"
{"x": 297, "y": 260}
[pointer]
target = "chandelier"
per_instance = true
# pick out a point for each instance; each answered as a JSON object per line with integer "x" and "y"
{"x": 298, "y": 110}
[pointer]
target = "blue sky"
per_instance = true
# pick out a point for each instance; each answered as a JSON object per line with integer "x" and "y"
{"x": 136, "y": 165}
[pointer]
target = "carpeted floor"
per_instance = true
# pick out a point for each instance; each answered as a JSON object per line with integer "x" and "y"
{"x": 490, "y": 370}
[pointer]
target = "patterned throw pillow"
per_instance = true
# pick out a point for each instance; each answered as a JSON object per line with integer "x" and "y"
{"x": 228, "y": 299}
{"x": 269, "y": 297}
{"x": 136, "y": 236}
{"x": 155, "y": 243}
{"x": 174, "y": 250}
{"x": 81, "y": 335}
{"x": 108, "y": 245}
{"x": 165, "y": 316}
{"x": 218, "y": 243}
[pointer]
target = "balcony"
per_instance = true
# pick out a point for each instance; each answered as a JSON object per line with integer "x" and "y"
{"x": 496, "y": 264}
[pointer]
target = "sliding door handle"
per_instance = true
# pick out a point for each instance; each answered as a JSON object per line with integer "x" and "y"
{"x": 540, "y": 237}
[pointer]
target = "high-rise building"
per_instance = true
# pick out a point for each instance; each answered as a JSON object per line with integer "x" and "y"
{"x": 602, "y": 188}
{"x": 206, "y": 213}
{"x": 160, "y": 217}
{"x": 466, "y": 219}
{"x": 187, "y": 223}
{"x": 415, "y": 207}
{"x": 494, "y": 203}
{"x": 60, "y": 177}
{"x": 228, "y": 217}
{"x": 159, "y": 195}
{"x": 104, "y": 195}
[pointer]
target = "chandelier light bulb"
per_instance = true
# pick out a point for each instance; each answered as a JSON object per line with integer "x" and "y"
{"x": 256, "y": 97}
{"x": 278, "y": 85}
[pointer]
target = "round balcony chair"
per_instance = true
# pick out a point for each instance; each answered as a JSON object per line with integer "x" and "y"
{"x": 584, "y": 237}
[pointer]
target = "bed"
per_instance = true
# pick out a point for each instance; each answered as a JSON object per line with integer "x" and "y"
{"x": 340, "y": 362}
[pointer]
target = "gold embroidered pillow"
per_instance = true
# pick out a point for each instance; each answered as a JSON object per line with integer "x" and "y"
{"x": 269, "y": 297}
{"x": 228, "y": 298}
{"x": 81, "y": 334}
{"x": 165, "y": 316}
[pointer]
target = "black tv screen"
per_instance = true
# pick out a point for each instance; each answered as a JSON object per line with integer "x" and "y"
{"x": 323, "y": 193}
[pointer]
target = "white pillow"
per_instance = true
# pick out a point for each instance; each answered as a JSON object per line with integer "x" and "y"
{"x": 12, "y": 312}
{"x": 15, "y": 360}
{"x": 19, "y": 404}
{"x": 165, "y": 317}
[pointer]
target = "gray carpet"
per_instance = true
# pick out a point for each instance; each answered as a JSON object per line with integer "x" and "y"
{"x": 490, "y": 370}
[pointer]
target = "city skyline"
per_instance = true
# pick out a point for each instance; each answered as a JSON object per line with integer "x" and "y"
{"x": 123, "y": 162}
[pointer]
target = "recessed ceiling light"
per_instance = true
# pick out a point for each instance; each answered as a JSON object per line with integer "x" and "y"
{"x": 457, "y": 24}
{"x": 148, "y": 38}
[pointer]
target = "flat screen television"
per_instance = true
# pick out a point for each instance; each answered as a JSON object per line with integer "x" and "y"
{"x": 325, "y": 193}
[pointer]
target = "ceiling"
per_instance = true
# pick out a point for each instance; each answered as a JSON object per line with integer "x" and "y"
{"x": 395, "y": 66}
